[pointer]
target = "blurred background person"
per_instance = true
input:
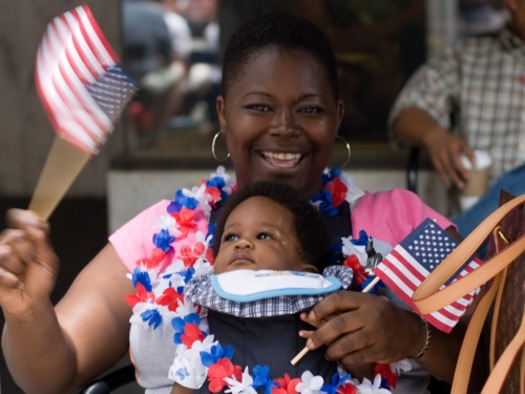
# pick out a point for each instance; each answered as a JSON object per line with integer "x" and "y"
{"x": 472, "y": 97}
{"x": 157, "y": 43}
{"x": 202, "y": 84}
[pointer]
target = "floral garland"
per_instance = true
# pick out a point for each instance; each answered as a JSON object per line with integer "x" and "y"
{"x": 159, "y": 282}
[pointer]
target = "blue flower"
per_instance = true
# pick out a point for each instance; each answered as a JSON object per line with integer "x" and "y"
{"x": 187, "y": 275}
{"x": 163, "y": 240}
{"x": 153, "y": 317}
{"x": 178, "y": 325}
{"x": 331, "y": 388}
{"x": 334, "y": 173}
{"x": 362, "y": 240}
{"x": 261, "y": 378}
{"x": 180, "y": 201}
{"x": 141, "y": 277}
{"x": 216, "y": 353}
{"x": 334, "y": 253}
{"x": 325, "y": 199}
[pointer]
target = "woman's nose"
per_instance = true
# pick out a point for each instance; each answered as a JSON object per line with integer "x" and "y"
{"x": 284, "y": 124}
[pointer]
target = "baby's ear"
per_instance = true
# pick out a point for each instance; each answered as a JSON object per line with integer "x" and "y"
{"x": 310, "y": 268}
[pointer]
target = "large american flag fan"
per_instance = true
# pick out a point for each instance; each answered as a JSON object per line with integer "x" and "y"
{"x": 412, "y": 260}
{"x": 79, "y": 80}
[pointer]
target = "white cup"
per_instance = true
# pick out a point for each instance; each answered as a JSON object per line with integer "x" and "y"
{"x": 478, "y": 179}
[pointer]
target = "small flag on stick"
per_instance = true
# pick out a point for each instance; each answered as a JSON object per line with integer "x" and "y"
{"x": 84, "y": 91}
{"x": 412, "y": 260}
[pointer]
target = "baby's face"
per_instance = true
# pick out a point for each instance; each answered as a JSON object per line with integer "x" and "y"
{"x": 259, "y": 234}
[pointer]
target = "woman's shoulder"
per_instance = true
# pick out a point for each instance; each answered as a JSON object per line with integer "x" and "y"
{"x": 391, "y": 215}
{"x": 133, "y": 239}
{"x": 386, "y": 197}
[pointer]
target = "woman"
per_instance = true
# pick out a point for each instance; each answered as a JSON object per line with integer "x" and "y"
{"x": 280, "y": 112}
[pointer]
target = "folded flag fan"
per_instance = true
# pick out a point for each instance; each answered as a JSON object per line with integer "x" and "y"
{"x": 412, "y": 260}
{"x": 84, "y": 91}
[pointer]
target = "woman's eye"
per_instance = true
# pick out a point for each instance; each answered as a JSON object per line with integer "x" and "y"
{"x": 264, "y": 236}
{"x": 312, "y": 110}
{"x": 230, "y": 237}
{"x": 259, "y": 107}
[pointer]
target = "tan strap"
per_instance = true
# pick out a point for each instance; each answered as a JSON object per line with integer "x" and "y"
{"x": 499, "y": 240}
{"x": 470, "y": 341}
{"x": 502, "y": 367}
{"x": 428, "y": 298}
{"x": 475, "y": 327}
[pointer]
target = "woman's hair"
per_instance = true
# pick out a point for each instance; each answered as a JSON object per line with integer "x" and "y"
{"x": 282, "y": 31}
{"x": 309, "y": 228}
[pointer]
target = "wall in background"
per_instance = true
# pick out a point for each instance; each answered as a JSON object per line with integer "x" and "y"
{"x": 25, "y": 132}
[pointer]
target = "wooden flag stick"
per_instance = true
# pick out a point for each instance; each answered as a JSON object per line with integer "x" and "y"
{"x": 63, "y": 164}
{"x": 305, "y": 350}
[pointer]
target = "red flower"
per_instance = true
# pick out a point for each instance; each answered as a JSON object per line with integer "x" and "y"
{"x": 360, "y": 274}
{"x": 189, "y": 255}
{"x": 214, "y": 192}
{"x": 185, "y": 221}
{"x": 141, "y": 296}
{"x": 192, "y": 333}
{"x": 170, "y": 298}
{"x": 347, "y": 388}
{"x": 386, "y": 373}
{"x": 223, "y": 368}
{"x": 286, "y": 385}
{"x": 338, "y": 190}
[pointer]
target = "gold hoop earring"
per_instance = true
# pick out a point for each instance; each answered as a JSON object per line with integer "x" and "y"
{"x": 348, "y": 150}
{"x": 214, "y": 141}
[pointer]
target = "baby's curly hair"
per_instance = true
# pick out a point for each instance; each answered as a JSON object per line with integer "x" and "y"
{"x": 282, "y": 31}
{"x": 309, "y": 228}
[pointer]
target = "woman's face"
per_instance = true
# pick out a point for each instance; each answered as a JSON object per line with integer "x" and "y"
{"x": 259, "y": 234}
{"x": 280, "y": 120}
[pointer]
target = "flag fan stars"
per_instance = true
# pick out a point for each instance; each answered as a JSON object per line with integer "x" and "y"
{"x": 79, "y": 80}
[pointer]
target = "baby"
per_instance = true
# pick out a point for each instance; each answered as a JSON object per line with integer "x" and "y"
{"x": 266, "y": 234}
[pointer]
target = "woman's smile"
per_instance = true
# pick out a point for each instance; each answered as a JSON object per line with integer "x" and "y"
{"x": 282, "y": 159}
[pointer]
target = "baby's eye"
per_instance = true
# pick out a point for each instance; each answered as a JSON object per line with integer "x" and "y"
{"x": 264, "y": 236}
{"x": 230, "y": 237}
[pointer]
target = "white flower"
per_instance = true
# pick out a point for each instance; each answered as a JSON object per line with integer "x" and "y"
{"x": 358, "y": 250}
{"x": 185, "y": 308}
{"x": 173, "y": 274}
{"x": 245, "y": 386}
{"x": 401, "y": 366}
{"x": 309, "y": 383}
{"x": 228, "y": 180}
{"x": 368, "y": 387}
{"x": 167, "y": 222}
{"x": 199, "y": 193}
{"x": 187, "y": 368}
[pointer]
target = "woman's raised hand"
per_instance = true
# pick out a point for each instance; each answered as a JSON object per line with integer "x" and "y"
{"x": 360, "y": 328}
{"x": 28, "y": 264}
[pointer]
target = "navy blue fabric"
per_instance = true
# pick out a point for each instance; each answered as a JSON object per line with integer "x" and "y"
{"x": 268, "y": 341}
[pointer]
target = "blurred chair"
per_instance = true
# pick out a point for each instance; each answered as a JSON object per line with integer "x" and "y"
{"x": 111, "y": 381}
{"x": 412, "y": 169}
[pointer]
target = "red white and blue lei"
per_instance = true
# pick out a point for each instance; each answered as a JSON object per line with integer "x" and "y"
{"x": 159, "y": 281}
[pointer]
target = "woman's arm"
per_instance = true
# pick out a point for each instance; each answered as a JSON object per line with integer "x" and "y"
{"x": 50, "y": 350}
{"x": 362, "y": 328}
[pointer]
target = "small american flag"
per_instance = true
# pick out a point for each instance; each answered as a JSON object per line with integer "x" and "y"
{"x": 412, "y": 260}
{"x": 79, "y": 80}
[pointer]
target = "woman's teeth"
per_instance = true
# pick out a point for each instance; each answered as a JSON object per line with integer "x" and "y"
{"x": 282, "y": 159}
